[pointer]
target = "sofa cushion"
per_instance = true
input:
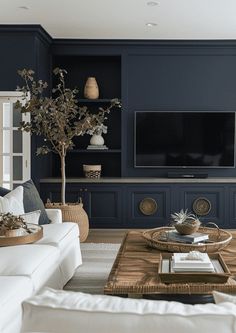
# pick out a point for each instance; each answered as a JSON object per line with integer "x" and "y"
{"x": 13, "y": 291}
{"x": 59, "y": 235}
{"x": 31, "y": 200}
{"x": 32, "y": 217}
{"x": 4, "y": 191}
{"x": 74, "y": 312}
{"x": 34, "y": 261}
{"x": 13, "y": 202}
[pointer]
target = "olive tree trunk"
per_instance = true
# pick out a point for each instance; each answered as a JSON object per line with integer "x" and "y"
{"x": 63, "y": 179}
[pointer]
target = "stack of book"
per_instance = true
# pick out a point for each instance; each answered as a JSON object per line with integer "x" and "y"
{"x": 181, "y": 263}
{"x": 97, "y": 147}
{"x": 197, "y": 237}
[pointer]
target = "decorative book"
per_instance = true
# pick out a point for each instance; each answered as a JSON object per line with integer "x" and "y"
{"x": 191, "y": 262}
{"x": 191, "y": 239}
{"x": 220, "y": 273}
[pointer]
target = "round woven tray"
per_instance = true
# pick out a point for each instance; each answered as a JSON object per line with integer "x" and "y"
{"x": 219, "y": 239}
{"x": 37, "y": 233}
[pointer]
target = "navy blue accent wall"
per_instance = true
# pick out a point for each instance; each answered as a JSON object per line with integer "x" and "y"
{"x": 175, "y": 79}
{"x": 153, "y": 75}
{"x": 25, "y": 47}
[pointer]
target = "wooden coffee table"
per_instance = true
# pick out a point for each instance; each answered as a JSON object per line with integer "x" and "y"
{"x": 134, "y": 272}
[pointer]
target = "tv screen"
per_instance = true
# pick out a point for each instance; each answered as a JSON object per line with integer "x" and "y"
{"x": 184, "y": 139}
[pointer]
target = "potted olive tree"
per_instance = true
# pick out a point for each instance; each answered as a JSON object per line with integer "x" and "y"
{"x": 58, "y": 119}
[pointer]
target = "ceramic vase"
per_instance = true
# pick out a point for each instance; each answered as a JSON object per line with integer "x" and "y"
{"x": 97, "y": 140}
{"x": 91, "y": 90}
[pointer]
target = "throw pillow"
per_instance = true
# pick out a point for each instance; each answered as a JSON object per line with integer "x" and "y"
{"x": 222, "y": 297}
{"x": 32, "y": 201}
{"x": 13, "y": 202}
{"x": 32, "y": 217}
{"x": 4, "y": 191}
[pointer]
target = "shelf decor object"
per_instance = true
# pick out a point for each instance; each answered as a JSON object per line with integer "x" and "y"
{"x": 92, "y": 171}
{"x": 58, "y": 119}
{"x": 218, "y": 239}
{"x": 201, "y": 206}
{"x": 185, "y": 223}
{"x": 91, "y": 90}
{"x": 148, "y": 206}
{"x": 97, "y": 140}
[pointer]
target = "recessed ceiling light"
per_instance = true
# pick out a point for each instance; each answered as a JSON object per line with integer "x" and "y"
{"x": 23, "y": 7}
{"x": 151, "y": 24}
{"x": 153, "y": 3}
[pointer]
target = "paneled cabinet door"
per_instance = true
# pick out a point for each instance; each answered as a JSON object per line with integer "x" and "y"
{"x": 206, "y": 202}
{"x": 103, "y": 205}
{"x": 231, "y": 206}
{"x": 147, "y": 206}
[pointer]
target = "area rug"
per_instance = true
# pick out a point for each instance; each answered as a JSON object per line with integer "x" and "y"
{"x": 92, "y": 275}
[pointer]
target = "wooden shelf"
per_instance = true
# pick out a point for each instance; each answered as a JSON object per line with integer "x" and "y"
{"x": 98, "y": 100}
{"x": 107, "y": 151}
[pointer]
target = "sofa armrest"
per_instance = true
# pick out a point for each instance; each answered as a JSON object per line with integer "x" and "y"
{"x": 54, "y": 215}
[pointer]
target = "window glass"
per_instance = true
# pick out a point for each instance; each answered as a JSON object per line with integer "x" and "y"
{"x": 6, "y": 149}
{"x": 6, "y": 114}
{"x": 17, "y": 141}
{"x": 6, "y": 185}
{"x": 17, "y": 168}
{"x": 17, "y": 116}
{"x": 6, "y": 168}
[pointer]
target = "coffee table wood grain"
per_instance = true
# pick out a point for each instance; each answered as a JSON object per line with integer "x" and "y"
{"x": 135, "y": 271}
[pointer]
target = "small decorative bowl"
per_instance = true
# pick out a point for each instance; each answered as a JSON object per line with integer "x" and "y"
{"x": 187, "y": 228}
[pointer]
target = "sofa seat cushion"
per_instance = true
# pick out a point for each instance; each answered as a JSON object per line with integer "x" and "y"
{"x": 13, "y": 291}
{"x": 74, "y": 312}
{"x": 59, "y": 235}
{"x": 35, "y": 261}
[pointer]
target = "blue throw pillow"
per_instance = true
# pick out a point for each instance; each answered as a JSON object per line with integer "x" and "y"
{"x": 3, "y": 191}
{"x": 32, "y": 200}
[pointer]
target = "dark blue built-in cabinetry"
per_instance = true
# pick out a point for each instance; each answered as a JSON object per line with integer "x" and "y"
{"x": 151, "y": 75}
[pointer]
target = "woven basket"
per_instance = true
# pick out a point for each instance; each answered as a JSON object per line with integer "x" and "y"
{"x": 73, "y": 212}
{"x": 157, "y": 239}
{"x": 92, "y": 171}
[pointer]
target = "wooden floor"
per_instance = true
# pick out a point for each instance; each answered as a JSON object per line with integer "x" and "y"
{"x": 106, "y": 235}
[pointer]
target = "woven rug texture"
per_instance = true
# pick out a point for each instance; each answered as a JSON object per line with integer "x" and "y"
{"x": 92, "y": 275}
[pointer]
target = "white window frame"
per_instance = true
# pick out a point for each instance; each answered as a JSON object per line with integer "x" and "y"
{"x": 12, "y": 97}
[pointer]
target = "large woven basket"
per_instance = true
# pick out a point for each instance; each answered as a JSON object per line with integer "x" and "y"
{"x": 218, "y": 238}
{"x": 73, "y": 212}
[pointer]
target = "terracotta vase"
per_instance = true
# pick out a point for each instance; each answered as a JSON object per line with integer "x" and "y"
{"x": 91, "y": 90}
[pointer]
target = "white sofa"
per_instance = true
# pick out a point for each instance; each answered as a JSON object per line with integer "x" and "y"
{"x": 72, "y": 312}
{"x": 25, "y": 269}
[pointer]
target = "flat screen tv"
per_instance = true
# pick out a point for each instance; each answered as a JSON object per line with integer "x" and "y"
{"x": 184, "y": 139}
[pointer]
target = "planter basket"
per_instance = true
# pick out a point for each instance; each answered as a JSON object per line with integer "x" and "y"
{"x": 73, "y": 212}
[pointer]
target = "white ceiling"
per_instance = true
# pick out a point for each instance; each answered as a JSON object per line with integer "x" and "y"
{"x": 126, "y": 19}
